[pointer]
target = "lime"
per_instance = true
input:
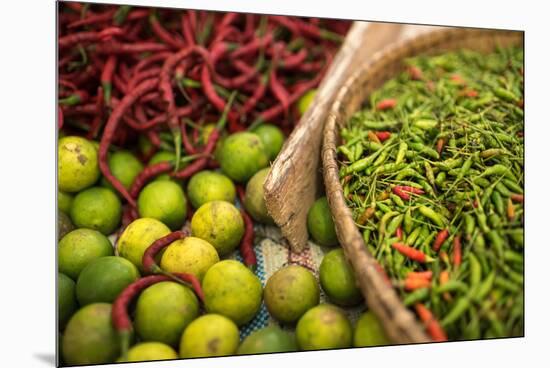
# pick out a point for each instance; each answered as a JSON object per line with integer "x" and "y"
{"x": 66, "y": 299}
{"x": 104, "y": 278}
{"x": 206, "y": 186}
{"x": 338, "y": 279}
{"x": 189, "y": 255}
{"x": 147, "y": 351}
{"x": 205, "y": 134}
{"x": 242, "y": 155}
{"x": 64, "y": 201}
{"x": 369, "y": 331}
{"x": 163, "y": 156}
{"x": 232, "y": 290}
{"x": 290, "y": 292}
{"x": 209, "y": 335}
{"x": 320, "y": 224}
{"x": 163, "y": 200}
{"x": 80, "y": 247}
{"x": 97, "y": 208}
{"x": 90, "y": 337}
{"x": 220, "y": 223}
{"x": 125, "y": 167}
{"x": 163, "y": 311}
{"x": 269, "y": 339}
{"x": 272, "y": 138}
{"x": 138, "y": 236}
{"x": 305, "y": 101}
{"x": 144, "y": 145}
{"x": 77, "y": 165}
{"x": 254, "y": 201}
{"x": 324, "y": 327}
{"x": 64, "y": 224}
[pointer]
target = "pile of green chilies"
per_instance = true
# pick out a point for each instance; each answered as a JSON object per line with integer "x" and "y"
{"x": 432, "y": 169}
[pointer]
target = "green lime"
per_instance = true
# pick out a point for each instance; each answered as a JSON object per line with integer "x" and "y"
{"x": 77, "y": 164}
{"x": 163, "y": 311}
{"x": 90, "y": 337}
{"x": 163, "y": 156}
{"x": 220, "y": 223}
{"x": 66, "y": 299}
{"x": 137, "y": 237}
{"x": 144, "y": 145}
{"x": 190, "y": 255}
{"x": 243, "y": 155}
{"x": 163, "y": 200}
{"x": 254, "y": 201}
{"x": 369, "y": 331}
{"x": 320, "y": 224}
{"x": 97, "y": 208}
{"x": 64, "y": 201}
{"x": 338, "y": 279}
{"x": 205, "y": 134}
{"x": 324, "y": 327}
{"x": 269, "y": 339}
{"x": 125, "y": 167}
{"x": 290, "y": 292}
{"x": 103, "y": 279}
{"x": 147, "y": 351}
{"x": 209, "y": 335}
{"x": 272, "y": 138}
{"x": 206, "y": 186}
{"x": 232, "y": 290}
{"x": 64, "y": 224}
{"x": 80, "y": 247}
{"x": 305, "y": 101}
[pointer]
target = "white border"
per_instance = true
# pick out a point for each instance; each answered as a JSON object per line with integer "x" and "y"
{"x": 27, "y": 153}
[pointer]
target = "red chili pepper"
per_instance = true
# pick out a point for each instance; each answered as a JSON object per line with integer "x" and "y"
{"x": 147, "y": 174}
{"x": 411, "y": 253}
{"x": 107, "y": 76}
{"x": 382, "y": 136}
{"x": 457, "y": 251}
{"x": 402, "y": 190}
{"x": 443, "y": 279}
{"x": 518, "y": 198}
{"x": 440, "y": 238}
{"x": 414, "y": 73}
{"x": 386, "y": 104}
{"x": 413, "y": 283}
{"x": 114, "y": 47}
{"x": 433, "y": 327}
{"x": 439, "y": 145}
{"x": 148, "y": 260}
{"x": 93, "y": 19}
{"x": 398, "y": 232}
{"x": 420, "y": 274}
{"x": 163, "y": 34}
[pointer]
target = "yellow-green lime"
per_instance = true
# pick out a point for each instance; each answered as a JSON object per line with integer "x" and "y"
{"x": 232, "y": 290}
{"x": 305, "y": 101}
{"x": 320, "y": 224}
{"x": 369, "y": 331}
{"x": 205, "y": 134}
{"x": 89, "y": 337}
{"x": 338, "y": 279}
{"x": 206, "y": 186}
{"x": 324, "y": 327}
{"x": 209, "y": 335}
{"x": 163, "y": 200}
{"x": 80, "y": 247}
{"x": 254, "y": 201}
{"x": 97, "y": 208}
{"x": 125, "y": 167}
{"x": 66, "y": 299}
{"x": 64, "y": 224}
{"x": 190, "y": 255}
{"x": 272, "y": 138}
{"x": 290, "y": 292}
{"x": 163, "y": 311}
{"x": 103, "y": 279}
{"x": 220, "y": 223}
{"x": 270, "y": 339}
{"x": 137, "y": 237}
{"x": 64, "y": 201}
{"x": 77, "y": 164}
{"x": 242, "y": 155}
{"x": 148, "y": 351}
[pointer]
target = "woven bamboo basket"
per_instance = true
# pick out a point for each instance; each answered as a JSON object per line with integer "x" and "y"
{"x": 400, "y": 324}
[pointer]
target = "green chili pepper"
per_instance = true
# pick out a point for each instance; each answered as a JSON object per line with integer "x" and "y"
{"x": 459, "y": 308}
{"x": 425, "y": 124}
{"x": 505, "y": 95}
{"x": 470, "y": 224}
{"x": 512, "y": 185}
{"x": 475, "y": 270}
{"x": 429, "y": 173}
{"x": 451, "y": 286}
{"x": 416, "y": 297}
{"x": 408, "y": 221}
{"x": 413, "y": 235}
{"x": 385, "y": 218}
{"x": 498, "y": 170}
{"x": 422, "y": 149}
{"x": 397, "y": 200}
{"x": 501, "y": 188}
{"x": 496, "y": 242}
{"x": 401, "y": 153}
{"x": 484, "y": 288}
{"x": 394, "y": 224}
{"x": 432, "y": 215}
{"x": 440, "y": 178}
{"x": 498, "y": 202}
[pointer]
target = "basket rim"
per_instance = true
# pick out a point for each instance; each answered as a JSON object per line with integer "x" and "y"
{"x": 348, "y": 233}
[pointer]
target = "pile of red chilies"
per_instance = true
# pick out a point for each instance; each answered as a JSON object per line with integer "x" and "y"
{"x": 126, "y": 72}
